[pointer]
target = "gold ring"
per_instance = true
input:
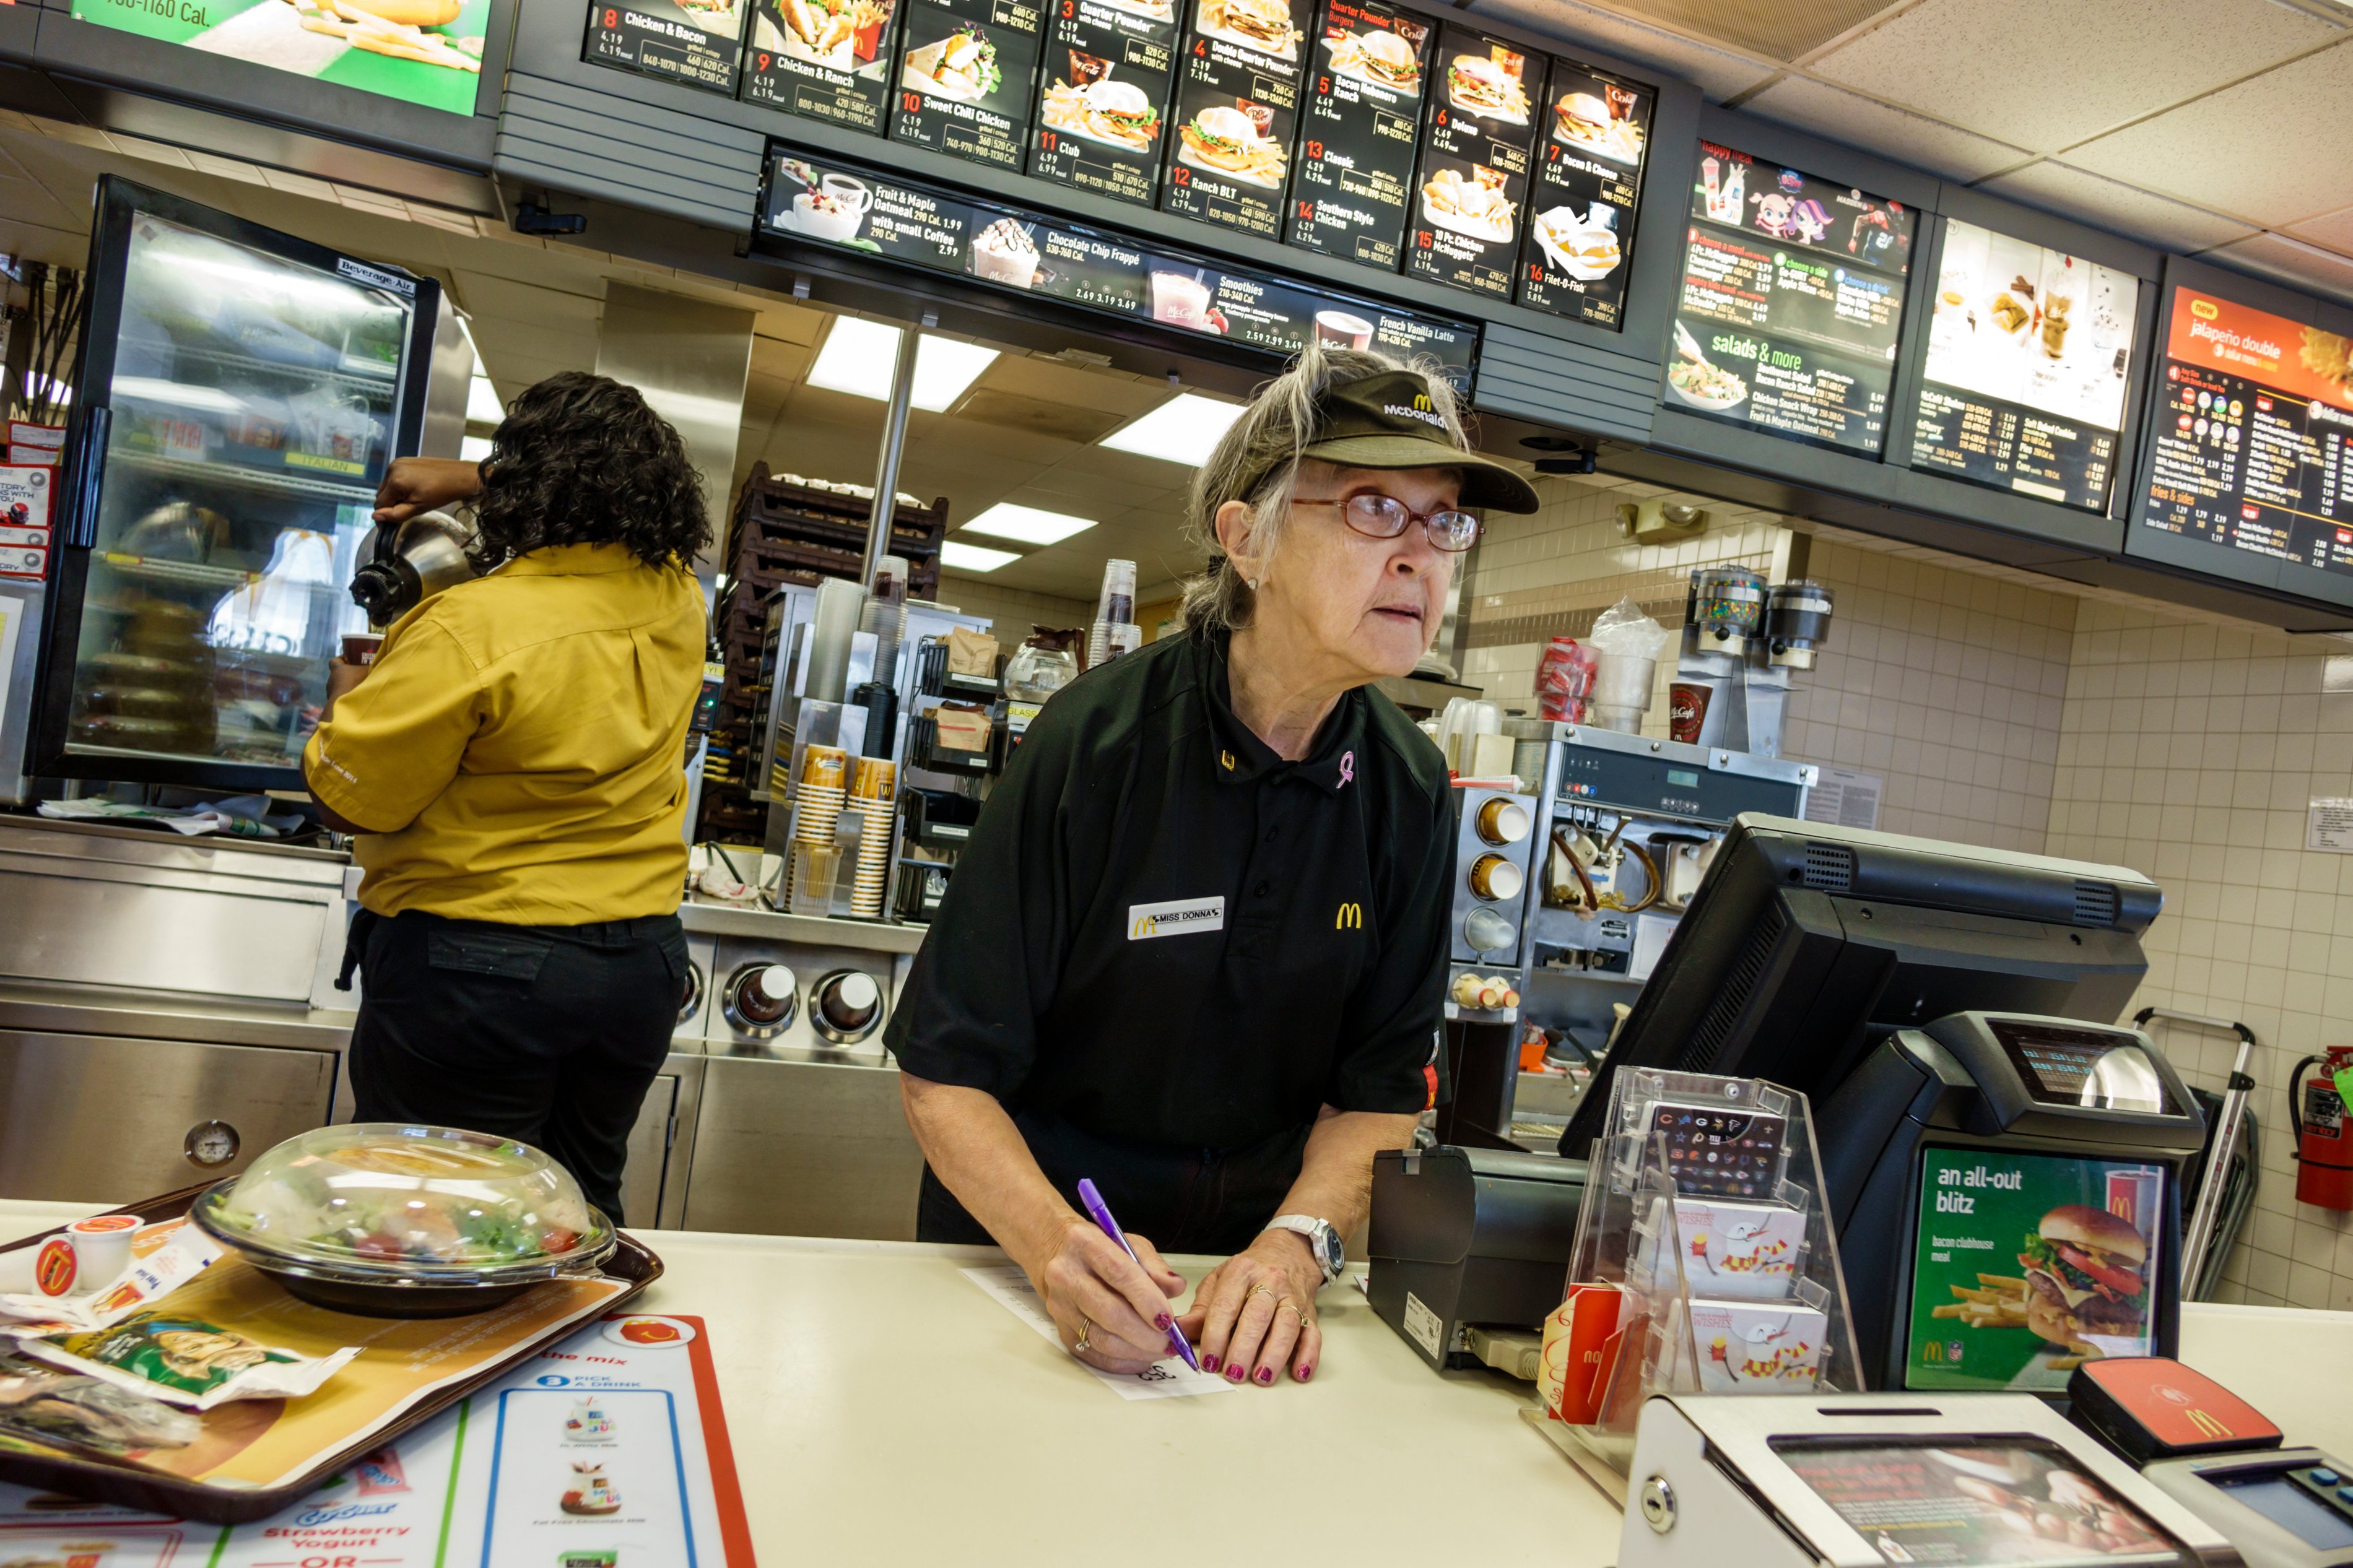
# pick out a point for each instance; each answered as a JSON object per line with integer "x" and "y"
{"x": 1084, "y": 1329}
{"x": 1260, "y": 1290}
{"x": 1286, "y": 1301}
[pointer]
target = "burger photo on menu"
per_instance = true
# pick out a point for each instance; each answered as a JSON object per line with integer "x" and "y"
{"x": 1603, "y": 125}
{"x": 1481, "y": 86}
{"x": 1233, "y": 142}
{"x": 1152, "y": 10}
{"x": 1116, "y": 113}
{"x": 2083, "y": 1268}
{"x": 1476, "y": 207}
{"x": 961, "y": 68}
{"x": 1261, "y": 25}
{"x": 1382, "y": 58}
{"x": 840, "y": 34}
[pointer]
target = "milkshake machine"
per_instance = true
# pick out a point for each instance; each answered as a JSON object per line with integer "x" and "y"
{"x": 1742, "y": 640}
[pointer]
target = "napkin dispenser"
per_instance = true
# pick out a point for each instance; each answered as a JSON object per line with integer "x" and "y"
{"x": 1463, "y": 1238}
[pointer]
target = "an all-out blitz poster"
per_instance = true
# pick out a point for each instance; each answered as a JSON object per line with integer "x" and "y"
{"x": 1471, "y": 198}
{"x": 825, "y": 59}
{"x": 692, "y": 41}
{"x": 1103, "y": 95}
{"x": 966, "y": 74}
{"x": 1237, "y": 112}
{"x": 1360, "y": 127}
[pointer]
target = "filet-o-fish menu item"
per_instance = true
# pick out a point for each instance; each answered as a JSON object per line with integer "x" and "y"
{"x": 692, "y": 41}
{"x": 1236, "y": 113}
{"x": 1472, "y": 184}
{"x": 966, "y": 73}
{"x": 827, "y": 60}
{"x": 1359, "y": 125}
{"x": 1102, "y": 103}
{"x": 1585, "y": 184}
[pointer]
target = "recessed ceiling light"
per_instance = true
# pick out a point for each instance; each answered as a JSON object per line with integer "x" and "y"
{"x": 483, "y": 405}
{"x": 473, "y": 449}
{"x": 965, "y": 557}
{"x": 1029, "y": 524}
{"x": 860, "y": 356}
{"x": 1185, "y": 429}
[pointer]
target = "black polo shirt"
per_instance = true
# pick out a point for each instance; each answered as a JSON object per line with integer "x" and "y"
{"x": 1161, "y": 932}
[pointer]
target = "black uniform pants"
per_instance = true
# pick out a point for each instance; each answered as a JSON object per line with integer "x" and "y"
{"x": 1181, "y": 1199}
{"x": 550, "y": 1035}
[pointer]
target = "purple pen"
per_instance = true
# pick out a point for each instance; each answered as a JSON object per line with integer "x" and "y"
{"x": 1100, "y": 1212}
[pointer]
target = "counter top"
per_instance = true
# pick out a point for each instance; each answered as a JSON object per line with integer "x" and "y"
{"x": 884, "y": 1410}
{"x": 49, "y": 1006}
{"x": 697, "y": 914}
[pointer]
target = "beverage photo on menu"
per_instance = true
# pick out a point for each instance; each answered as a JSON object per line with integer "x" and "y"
{"x": 1103, "y": 96}
{"x": 1472, "y": 181}
{"x": 1359, "y": 125}
{"x": 2253, "y": 444}
{"x": 1791, "y": 302}
{"x": 1593, "y": 136}
{"x": 2028, "y": 349}
{"x": 692, "y": 41}
{"x": 1236, "y": 113}
{"x": 827, "y": 60}
{"x": 966, "y": 70}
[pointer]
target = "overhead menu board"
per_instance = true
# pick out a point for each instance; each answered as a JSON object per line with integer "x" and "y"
{"x": 828, "y": 59}
{"x": 1791, "y": 303}
{"x": 438, "y": 63}
{"x": 2028, "y": 349}
{"x": 1472, "y": 185}
{"x": 1102, "y": 96}
{"x": 1593, "y": 138}
{"x": 2250, "y": 442}
{"x": 1237, "y": 112}
{"x": 695, "y": 44}
{"x": 1358, "y": 133}
{"x": 966, "y": 70}
{"x": 860, "y": 209}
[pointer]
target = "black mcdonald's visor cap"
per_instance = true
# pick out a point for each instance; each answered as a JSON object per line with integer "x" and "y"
{"x": 1388, "y": 421}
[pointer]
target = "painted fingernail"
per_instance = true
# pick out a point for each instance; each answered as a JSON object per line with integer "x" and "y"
{"x": 1265, "y": 1375}
{"x": 1164, "y": 1322}
{"x": 1303, "y": 1373}
{"x": 1235, "y": 1373}
{"x": 1210, "y": 1364}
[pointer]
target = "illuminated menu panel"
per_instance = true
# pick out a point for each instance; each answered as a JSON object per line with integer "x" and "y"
{"x": 694, "y": 45}
{"x": 2028, "y": 353}
{"x": 825, "y": 59}
{"x": 1237, "y": 113}
{"x": 967, "y": 69}
{"x": 1102, "y": 96}
{"x": 1791, "y": 303}
{"x": 1358, "y": 127}
{"x": 1471, "y": 189}
{"x": 1592, "y": 141}
{"x": 2249, "y": 450}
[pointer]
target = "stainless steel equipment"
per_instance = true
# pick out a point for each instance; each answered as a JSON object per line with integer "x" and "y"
{"x": 1492, "y": 855}
{"x": 1743, "y": 639}
{"x": 410, "y": 562}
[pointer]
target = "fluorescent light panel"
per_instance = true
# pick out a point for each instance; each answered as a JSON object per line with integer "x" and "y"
{"x": 860, "y": 356}
{"x": 1028, "y": 524}
{"x": 1185, "y": 429}
{"x": 473, "y": 449}
{"x": 483, "y": 405}
{"x": 965, "y": 557}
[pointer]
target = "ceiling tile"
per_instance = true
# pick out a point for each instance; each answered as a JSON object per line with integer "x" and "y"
{"x": 2201, "y": 150}
{"x": 2045, "y": 77}
{"x": 2332, "y": 231}
{"x": 2108, "y": 203}
{"x": 1779, "y": 29}
{"x": 2289, "y": 261}
{"x": 1844, "y": 116}
{"x": 1720, "y": 73}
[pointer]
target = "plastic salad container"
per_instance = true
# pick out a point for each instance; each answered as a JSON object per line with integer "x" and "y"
{"x": 407, "y": 1222}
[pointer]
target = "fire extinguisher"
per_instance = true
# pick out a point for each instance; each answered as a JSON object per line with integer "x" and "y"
{"x": 2323, "y": 1137}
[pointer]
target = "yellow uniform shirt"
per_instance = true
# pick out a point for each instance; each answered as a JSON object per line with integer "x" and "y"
{"x": 517, "y": 752}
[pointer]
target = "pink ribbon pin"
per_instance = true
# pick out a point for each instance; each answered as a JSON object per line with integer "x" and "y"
{"x": 1348, "y": 767}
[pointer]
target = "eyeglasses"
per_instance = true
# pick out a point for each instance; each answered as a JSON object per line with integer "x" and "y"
{"x": 1378, "y": 516}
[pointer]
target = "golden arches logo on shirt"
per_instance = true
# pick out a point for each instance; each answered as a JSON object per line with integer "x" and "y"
{"x": 1180, "y": 916}
{"x": 1350, "y": 918}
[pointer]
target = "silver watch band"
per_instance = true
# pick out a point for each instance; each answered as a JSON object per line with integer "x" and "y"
{"x": 1315, "y": 1229}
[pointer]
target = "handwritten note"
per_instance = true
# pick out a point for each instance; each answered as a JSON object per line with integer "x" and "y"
{"x": 1169, "y": 1378}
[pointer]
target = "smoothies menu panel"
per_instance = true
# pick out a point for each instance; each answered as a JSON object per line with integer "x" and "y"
{"x": 2250, "y": 449}
{"x": 1791, "y": 302}
{"x": 859, "y": 209}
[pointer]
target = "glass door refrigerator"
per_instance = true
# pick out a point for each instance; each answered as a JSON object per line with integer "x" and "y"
{"x": 240, "y": 391}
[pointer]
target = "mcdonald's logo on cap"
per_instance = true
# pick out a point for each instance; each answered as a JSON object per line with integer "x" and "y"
{"x": 1350, "y": 918}
{"x": 1422, "y": 404}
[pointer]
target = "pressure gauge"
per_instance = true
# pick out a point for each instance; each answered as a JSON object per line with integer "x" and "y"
{"x": 211, "y": 1143}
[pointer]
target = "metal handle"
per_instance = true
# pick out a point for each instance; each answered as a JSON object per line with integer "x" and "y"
{"x": 2225, "y": 1141}
{"x": 2296, "y": 1101}
{"x": 89, "y": 468}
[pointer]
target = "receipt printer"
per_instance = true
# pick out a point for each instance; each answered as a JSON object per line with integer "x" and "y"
{"x": 1470, "y": 1238}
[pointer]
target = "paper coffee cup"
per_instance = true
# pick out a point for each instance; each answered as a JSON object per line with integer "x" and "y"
{"x": 1687, "y": 709}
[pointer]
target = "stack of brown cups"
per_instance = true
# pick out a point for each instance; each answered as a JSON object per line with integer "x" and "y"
{"x": 824, "y": 787}
{"x": 873, "y": 788}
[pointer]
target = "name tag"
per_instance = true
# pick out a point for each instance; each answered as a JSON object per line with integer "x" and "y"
{"x": 1182, "y": 918}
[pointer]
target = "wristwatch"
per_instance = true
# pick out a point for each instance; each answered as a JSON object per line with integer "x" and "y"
{"x": 1330, "y": 1251}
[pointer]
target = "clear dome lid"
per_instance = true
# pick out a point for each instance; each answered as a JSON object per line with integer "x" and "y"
{"x": 380, "y": 1201}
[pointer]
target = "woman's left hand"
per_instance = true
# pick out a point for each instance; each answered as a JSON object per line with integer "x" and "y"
{"x": 1254, "y": 1317}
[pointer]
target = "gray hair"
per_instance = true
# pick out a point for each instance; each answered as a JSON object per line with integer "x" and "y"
{"x": 1257, "y": 463}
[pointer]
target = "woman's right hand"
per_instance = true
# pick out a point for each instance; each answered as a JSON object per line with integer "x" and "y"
{"x": 1083, "y": 1278}
{"x": 413, "y": 485}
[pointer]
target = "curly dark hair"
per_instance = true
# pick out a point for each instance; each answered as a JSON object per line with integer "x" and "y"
{"x": 582, "y": 459}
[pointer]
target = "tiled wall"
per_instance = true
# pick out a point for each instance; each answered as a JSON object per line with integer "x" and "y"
{"x": 1011, "y": 611}
{"x": 2190, "y": 751}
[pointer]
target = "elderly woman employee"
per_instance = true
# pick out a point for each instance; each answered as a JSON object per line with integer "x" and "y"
{"x": 1196, "y": 947}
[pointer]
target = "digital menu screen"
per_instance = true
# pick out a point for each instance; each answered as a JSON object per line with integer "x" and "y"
{"x": 2025, "y": 1264}
{"x": 828, "y": 59}
{"x": 2253, "y": 451}
{"x": 967, "y": 70}
{"x": 1593, "y": 135}
{"x": 694, "y": 44}
{"x": 860, "y": 210}
{"x": 1103, "y": 95}
{"x": 1791, "y": 302}
{"x": 2028, "y": 354}
{"x": 1359, "y": 130}
{"x": 1237, "y": 112}
{"x": 1470, "y": 201}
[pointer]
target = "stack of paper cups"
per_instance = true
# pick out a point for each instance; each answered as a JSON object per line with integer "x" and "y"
{"x": 816, "y": 805}
{"x": 873, "y": 789}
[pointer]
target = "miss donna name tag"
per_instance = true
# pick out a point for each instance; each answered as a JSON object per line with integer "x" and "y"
{"x": 1182, "y": 918}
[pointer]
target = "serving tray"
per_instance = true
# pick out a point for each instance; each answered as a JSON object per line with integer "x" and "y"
{"x": 104, "y": 1479}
